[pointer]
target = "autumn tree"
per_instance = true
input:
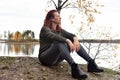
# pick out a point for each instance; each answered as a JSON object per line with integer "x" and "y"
{"x": 17, "y": 36}
{"x": 86, "y": 8}
{"x": 28, "y": 34}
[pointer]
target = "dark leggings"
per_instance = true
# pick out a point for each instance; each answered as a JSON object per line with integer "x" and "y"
{"x": 59, "y": 52}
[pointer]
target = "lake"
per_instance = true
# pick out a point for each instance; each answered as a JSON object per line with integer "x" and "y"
{"x": 19, "y": 49}
{"x": 107, "y": 58}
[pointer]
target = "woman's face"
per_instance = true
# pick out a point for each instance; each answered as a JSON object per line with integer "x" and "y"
{"x": 56, "y": 19}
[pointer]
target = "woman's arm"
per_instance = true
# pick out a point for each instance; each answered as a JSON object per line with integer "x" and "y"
{"x": 70, "y": 44}
{"x": 72, "y": 39}
{"x": 68, "y": 35}
{"x": 76, "y": 43}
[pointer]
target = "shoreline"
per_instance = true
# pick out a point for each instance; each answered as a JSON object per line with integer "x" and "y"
{"x": 36, "y": 41}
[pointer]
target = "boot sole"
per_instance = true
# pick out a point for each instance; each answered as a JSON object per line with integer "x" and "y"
{"x": 80, "y": 77}
{"x": 95, "y": 71}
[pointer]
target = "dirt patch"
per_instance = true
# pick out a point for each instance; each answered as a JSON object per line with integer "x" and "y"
{"x": 29, "y": 68}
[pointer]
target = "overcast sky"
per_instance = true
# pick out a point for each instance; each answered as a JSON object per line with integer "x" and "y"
{"x": 29, "y": 14}
{"x": 21, "y": 15}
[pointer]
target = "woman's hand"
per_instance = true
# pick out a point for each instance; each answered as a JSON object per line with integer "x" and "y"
{"x": 71, "y": 45}
{"x": 76, "y": 44}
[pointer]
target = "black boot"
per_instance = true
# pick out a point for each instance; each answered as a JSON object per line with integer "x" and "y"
{"x": 92, "y": 67}
{"x": 77, "y": 73}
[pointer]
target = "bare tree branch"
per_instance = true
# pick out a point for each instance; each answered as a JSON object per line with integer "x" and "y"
{"x": 54, "y": 4}
{"x": 60, "y": 5}
{"x": 63, "y": 3}
{"x": 66, "y": 6}
{"x": 98, "y": 51}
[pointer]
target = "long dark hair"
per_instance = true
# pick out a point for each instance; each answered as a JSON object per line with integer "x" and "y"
{"x": 48, "y": 22}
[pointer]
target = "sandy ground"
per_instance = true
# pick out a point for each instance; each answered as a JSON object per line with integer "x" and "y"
{"x": 29, "y": 68}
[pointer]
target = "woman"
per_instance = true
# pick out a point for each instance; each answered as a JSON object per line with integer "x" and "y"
{"x": 56, "y": 44}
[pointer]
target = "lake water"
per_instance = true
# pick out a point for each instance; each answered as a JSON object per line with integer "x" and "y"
{"x": 108, "y": 59}
{"x": 16, "y": 50}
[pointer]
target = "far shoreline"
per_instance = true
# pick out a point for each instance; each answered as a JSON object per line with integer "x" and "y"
{"x": 27, "y": 41}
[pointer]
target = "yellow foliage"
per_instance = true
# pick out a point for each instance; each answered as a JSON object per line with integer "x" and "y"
{"x": 116, "y": 46}
{"x": 17, "y": 36}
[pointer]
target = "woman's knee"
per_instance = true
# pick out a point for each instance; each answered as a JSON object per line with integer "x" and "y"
{"x": 58, "y": 44}
{"x": 61, "y": 46}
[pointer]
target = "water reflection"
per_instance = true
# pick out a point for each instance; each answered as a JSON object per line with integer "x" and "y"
{"x": 108, "y": 56}
{"x": 17, "y": 49}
